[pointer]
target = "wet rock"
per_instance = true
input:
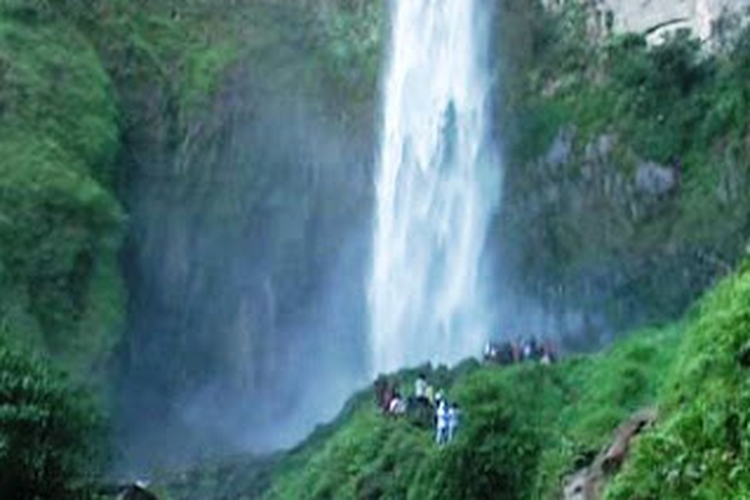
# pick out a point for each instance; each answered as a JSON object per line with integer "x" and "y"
{"x": 588, "y": 482}
{"x": 653, "y": 179}
{"x": 579, "y": 486}
{"x": 600, "y": 149}
{"x": 561, "y": 151}
{"x": 136, "y": 492}
{"x": 704, "y": 18}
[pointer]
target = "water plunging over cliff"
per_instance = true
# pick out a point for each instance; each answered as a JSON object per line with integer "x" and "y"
{"x": 437, "y": 187}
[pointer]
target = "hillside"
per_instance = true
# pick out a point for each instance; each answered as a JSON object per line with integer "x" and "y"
{"x": 529, "y": 427}
{"x": 627, "y": 172}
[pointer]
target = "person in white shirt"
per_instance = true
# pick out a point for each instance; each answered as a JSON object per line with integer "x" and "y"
{"x": 442, "y": 424}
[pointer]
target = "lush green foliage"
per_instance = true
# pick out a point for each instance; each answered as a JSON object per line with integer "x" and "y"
{"x": 59, "y": 224}
{"x": 50, "y": 435}
{"x": 701, "y": 446}
{"x": 526, "y": 428}
{"x": 602, "y": 109}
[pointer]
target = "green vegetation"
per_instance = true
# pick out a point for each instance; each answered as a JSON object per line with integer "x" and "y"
{"x": 82, "y": 83}
{"x": 85, "y": 84}
{"x": 526, "y": 428}
{"x": 60, "y": 226}
{"x": 700, "y": 448}
{"x": 91, "y": 88}
{"x": 603, "y": 109}
{"x": 51, "y": 437}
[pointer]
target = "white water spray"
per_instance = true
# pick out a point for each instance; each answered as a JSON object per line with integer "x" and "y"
{"x": 437, "y": 188}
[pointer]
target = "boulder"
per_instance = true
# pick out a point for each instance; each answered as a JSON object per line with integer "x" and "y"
{"x": 588, "y": 482}
{"x": 136, "y": 492}
{"x": 659, "y": 18}
{"x": 559, "y": 154}
{"x": 653, "y": 179}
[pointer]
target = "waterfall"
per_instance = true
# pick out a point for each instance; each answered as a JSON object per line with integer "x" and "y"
{"x": 437, "y": 187}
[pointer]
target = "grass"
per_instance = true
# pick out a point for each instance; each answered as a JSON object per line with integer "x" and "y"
{"x": 700, "y": 448}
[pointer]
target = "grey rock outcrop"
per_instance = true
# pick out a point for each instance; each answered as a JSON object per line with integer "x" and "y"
{"x": 704, "y": 18}
{"x": 588, "y": 483}
{"x": 655, "y": 180}
{"x": 561, "y": 150}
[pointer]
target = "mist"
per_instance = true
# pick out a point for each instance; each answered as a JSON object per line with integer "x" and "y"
{"x": 246, "y": 267}
{"x": 249, "y": 256}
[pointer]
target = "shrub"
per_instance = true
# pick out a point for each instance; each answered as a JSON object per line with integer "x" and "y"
{"x": 701, "y": 447}
{"x": 59, "y": 221}
{"x": 49, "y": 433}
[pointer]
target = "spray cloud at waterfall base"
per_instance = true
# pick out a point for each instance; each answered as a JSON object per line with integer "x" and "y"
{"x": 246, "y": 319}
{"x": 437, "y": 188}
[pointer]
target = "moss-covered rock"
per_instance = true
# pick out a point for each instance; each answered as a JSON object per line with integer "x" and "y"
{"x": 583, "y": 229}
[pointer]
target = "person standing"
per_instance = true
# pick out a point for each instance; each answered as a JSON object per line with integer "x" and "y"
{"x": 454, "y": 416}
{"x": 442, "y": 423}
{"x": 420, "y": 388}
{"x": 430, "y": 395}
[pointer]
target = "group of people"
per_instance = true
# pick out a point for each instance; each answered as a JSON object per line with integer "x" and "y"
{"x": 428, "y": 406}
{"x": 447, "y": 415}
{"x": 426, "y": 403}
{"x": 512, "y": 352}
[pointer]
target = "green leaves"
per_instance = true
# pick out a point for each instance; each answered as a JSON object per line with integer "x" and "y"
{"x": 50, "y": 434}
{"x": 702, "y": 445}
{"x": 59, "y": 222}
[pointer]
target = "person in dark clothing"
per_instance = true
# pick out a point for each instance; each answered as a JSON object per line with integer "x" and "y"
{"x": 382, "y": 396}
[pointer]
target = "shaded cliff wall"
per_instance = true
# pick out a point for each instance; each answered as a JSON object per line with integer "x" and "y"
{"x": 248, "y": 244}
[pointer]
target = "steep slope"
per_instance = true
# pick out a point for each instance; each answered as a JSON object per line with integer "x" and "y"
{"x": 527, "y": 428}
{"x": 700, "y": 446}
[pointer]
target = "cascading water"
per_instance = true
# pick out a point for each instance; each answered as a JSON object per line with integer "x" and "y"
{"x": 437, "y": 187}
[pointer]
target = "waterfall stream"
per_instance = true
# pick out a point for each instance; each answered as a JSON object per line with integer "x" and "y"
{"x": 437, "y": 188}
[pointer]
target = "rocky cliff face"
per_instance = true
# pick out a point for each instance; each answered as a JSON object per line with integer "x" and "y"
{"x": 593, "y": 243}
{"x": 709, "y": 20}
{"x": 237, "y": 254}
{"x": 246, "y": 256}
{"x": 625, "y": 181}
